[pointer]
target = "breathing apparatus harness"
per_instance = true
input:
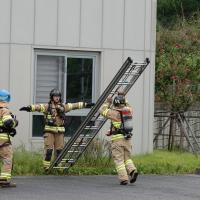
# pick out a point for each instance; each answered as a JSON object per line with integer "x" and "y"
{"x": 50, "y": 119}
{"x": 126, "y": 118}
{"x": 126, "y": 124}
{"x": 8, "y": 130}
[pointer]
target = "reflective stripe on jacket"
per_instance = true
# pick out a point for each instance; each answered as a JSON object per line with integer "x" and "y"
{"x": 58, "y": 120}
{"x": 4, "y": 137}
{"x": 5, "y": 115}
{"x": 115, "y": 118}
{"x": 55, "y": 129}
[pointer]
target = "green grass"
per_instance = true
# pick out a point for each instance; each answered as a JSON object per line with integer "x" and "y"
{"x": 164, "y": 162}
{"x": 27, "y": 163}
{"x": 158, "y": 162}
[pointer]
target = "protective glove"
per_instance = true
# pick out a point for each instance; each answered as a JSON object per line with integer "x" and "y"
{"x": 89, "y": 105}
{"x": 60, "y": 109}
{"x": 26, "y": 108}
{"x": 13, "y": 132}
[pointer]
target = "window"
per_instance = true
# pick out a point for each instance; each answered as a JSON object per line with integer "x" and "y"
{"x": 74, "y": 74}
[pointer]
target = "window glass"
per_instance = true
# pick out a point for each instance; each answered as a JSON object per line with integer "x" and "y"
{"x": 72, "y": 124}
{"x": 79, "y": 79}
{"x": 38, "y": 125}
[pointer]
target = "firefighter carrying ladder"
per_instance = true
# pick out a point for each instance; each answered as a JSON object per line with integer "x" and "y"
{"x": 77, "y": 144}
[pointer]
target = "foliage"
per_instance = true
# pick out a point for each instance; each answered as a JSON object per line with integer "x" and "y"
{"x": 169, "y": 11}
{"x": 178, "y": 65}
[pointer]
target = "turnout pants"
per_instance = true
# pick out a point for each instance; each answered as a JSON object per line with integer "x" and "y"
{"x": 121, "y": 153}
{"x": 6, "y": 155}
{"x": 52, "y": 141}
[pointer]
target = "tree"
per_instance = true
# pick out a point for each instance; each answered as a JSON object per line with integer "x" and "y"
{"x": 168, "y": 11}
{"x": 178, "y": 67}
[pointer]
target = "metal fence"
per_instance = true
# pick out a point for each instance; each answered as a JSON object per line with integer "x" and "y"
{"x": 174, "y": 130}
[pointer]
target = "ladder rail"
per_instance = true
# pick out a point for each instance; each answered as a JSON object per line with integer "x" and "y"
{"x": 102, "y": 98}
{"x": 123, "y": 74}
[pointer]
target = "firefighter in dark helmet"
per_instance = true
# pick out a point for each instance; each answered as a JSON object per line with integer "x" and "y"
{"x": 120, "y": 114}
{"x": 54, "y": 129}
{"x": 8, "y": 123}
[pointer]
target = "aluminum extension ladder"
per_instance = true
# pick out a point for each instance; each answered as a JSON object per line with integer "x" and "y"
{"x": 77, "y": 144}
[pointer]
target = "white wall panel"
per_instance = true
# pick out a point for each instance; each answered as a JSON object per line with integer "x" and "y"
{"x": 4, "y": 66}
{"x": 20, "y": 75}
{"x": 112, "y": 61}
{"x": 46, "y": 22}
{"x": 22, "y": 21}
{"x": 151, "y": 99}
{"x": 113, "y": 13}
{"x": 134, "y": 24}
{"x": 146, "y": 106}
{"x": 91, "y": 23}
{"x": 4, "y": 21}
{"x": 148, "y": 25}
{"x": 69, "y": 23}
{"x": 153, "y": 24}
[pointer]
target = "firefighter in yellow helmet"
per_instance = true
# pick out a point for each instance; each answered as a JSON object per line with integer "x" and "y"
{"x": 120, "y": 114}
{"x": 54, "y": 129}
{"x": 8, "y": 123}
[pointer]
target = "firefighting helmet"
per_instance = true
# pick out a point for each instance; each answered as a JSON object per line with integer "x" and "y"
{"x": 54, "y": 92}
{"x": 119, "y": 100}
{"x": 4, "y": 96}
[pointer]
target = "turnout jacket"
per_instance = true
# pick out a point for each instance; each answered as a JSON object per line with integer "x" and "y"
{"x": 114, "y": 115}
{"x": 55, "y": 114}
{"x": 7, "y": 124}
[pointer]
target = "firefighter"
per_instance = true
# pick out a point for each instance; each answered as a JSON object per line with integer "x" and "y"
{"x": 120, "y": 115}
{"x": 54, "y": 129}
{"x": 8, "y": 123}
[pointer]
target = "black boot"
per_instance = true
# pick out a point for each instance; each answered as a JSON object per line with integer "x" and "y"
{"x": 5, "y": 183}
{"x": 47, "y": 160}
{"x": 125, "y": 182}
{"x": 134, "y": 175}
{"x": 58, "y": 151}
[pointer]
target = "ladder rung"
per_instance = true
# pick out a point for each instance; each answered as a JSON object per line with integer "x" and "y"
{"x": 86, "y": 136}
{"x": 123, "y": 83}
{"x": 81, "y": 145}
{"x": 91, "y": 127}
{"x": 138, "y": 64}
{"x": 132, "y": 73}
{"x": 68, "y": 160}
{"x": 60, "y": 167}
{"x": 71, "y": 151}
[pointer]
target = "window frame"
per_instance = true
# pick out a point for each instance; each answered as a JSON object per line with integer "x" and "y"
{"x": 95, "y": 56}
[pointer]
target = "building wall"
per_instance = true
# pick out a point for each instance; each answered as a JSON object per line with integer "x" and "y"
{"x": 114, "y": 28}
